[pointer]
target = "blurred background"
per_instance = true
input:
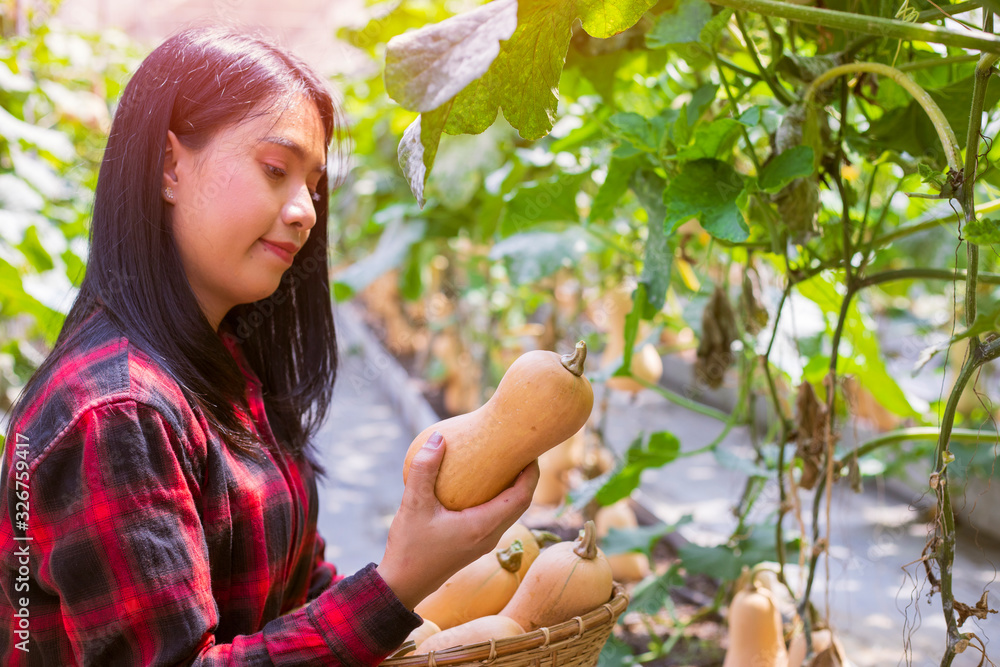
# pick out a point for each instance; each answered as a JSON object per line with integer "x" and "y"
{"x": 809, "y": 298}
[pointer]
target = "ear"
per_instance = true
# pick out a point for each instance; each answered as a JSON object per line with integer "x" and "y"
{"x": 173, "y": 151}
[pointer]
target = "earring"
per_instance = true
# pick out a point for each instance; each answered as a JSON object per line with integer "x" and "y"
{"x": 168, "y": 192}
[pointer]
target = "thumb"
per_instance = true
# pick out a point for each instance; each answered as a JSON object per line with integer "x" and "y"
{"x": 424, "y": 468}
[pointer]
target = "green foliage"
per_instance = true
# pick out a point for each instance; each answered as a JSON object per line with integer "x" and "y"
{"x": 726, "y": 561}
{"x": 664, "y": 148}
{"x": 55, "y": 94}
{"x": 639, "y": 540}
{"x": 460, "y": 88}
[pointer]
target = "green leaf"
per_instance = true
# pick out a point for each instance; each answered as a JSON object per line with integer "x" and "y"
{"x": 532, "y": 255}
{"x": 655, "y": 452}
{"x": 427, "y": 67}
{"x": 613, "y": 188}
{"x": 632, "y": 329}
{"x": 15, "y": 299}
{"x": 930, "y": 175}
{"x": 707, "y": 190}
{"x": 418, "y": 147}
{"x": 908, "y": 129}
{"x": 616, "y": 653}
{"x": 726, "y": 561}
{"x": 861, "y": 356}
{"x": 714, "y": 140}
{"x": 659, "y": 255}
{"x": 393, "y": 247}
{"x": 524, "y": 78}
{"x": 786, "y": 167}
{"x": 603, "y": 19}
{"x": 750, "y": 117}
{"x": 635, "y": 129}
{"x": 984, "y": 231}
{"x": 987, "y": 321}
{"x": 701, "y": 99}
{"x": 551, "y": 200}
{"x": 682, "y": 24}
{"x": 681, "y": 128}
{"x": 458, "y": 78}
{"x": 727, "y": 459}
{"x": 641, "y": 539}
{"x": 33, "y": 250}
{"x": 653, "y": 593}
{"x": 712, "y": 31}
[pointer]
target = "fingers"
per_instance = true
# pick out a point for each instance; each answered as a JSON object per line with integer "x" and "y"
{"x": 511, "y": 503}
{"x": 424, "y": 470}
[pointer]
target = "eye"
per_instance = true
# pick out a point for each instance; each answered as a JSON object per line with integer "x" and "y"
{"x": 274, "y": 172}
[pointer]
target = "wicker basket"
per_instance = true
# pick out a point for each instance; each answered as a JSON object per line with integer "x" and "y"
{"x": 574, "y": 643}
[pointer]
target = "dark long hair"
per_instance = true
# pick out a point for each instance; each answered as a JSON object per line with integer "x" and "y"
{"x": 197, "y": 82}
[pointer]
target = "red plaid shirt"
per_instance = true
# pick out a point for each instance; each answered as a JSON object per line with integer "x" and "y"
{"x": 149, "y": 542}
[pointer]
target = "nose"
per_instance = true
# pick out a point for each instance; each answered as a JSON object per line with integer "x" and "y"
{"x": 299, "y": 210}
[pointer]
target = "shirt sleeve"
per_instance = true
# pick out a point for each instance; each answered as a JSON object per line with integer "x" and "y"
{"x": 118, "y": 537}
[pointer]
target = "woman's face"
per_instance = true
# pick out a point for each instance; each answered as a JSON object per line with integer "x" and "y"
{"x": 235, "y": 201}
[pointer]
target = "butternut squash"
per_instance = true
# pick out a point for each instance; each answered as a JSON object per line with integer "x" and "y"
{"x": 481, "y": 588}
{"x": 568, "y": 579}
{"x": 554, "y": 466}
{"x": 422, "y": 632}
{"x": 477, "y": 630}
{"x": 552, "y": 484}
{"x": 755, "y": 632}
{"x": 626, "y": 567}
{"x": 541, "y": 401}
{"x": 529, "y": 545}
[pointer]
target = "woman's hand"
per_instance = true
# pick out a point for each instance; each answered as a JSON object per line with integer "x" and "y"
{"x": 428, "y": 542}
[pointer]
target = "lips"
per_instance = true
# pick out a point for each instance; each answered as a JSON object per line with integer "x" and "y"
{"x": 284, "y": 250}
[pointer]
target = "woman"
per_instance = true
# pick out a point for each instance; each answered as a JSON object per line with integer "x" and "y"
{"x": 158, "y": 496}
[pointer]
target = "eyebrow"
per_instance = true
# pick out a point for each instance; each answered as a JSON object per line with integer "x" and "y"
{"x": 292, "y": 146}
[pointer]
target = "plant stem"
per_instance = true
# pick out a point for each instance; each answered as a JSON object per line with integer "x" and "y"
{"x": 924, "y": 225}
{"x": 937, "y": 117}
{"x": 910, "y": 434}
{"x": 983, "y": 72}
{"x": 684, "y": 401}
{"x": 945, "y": 553}
{"x": 950, "y": 10}
{"x": 934, "y": 62}
{"x": 784, "y": 427}
{"x": 739, "y": 70}
{"x": 779, "y": 92}
{"x": 925, "y": 274}
{"x": 871, "y": 25}
{"x": 736, "y": 112}
{"x": 978, "y": 355}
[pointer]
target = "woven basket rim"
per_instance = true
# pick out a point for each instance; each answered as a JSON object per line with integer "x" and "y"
{"x": 561, "y": 634}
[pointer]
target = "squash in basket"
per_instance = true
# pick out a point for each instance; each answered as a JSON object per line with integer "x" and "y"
{"x": 481, "y": 588}
{"x": 529, "y": 545}
{"x": 568, "y": 579}
{"x": 477, "y": 630}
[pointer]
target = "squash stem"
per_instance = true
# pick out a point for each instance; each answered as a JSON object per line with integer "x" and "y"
{"x": 545, "y": 538}
{"x": 586, "y": 545}
{"x": 573, "y": 362}
{"x": 510, "y": 558}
